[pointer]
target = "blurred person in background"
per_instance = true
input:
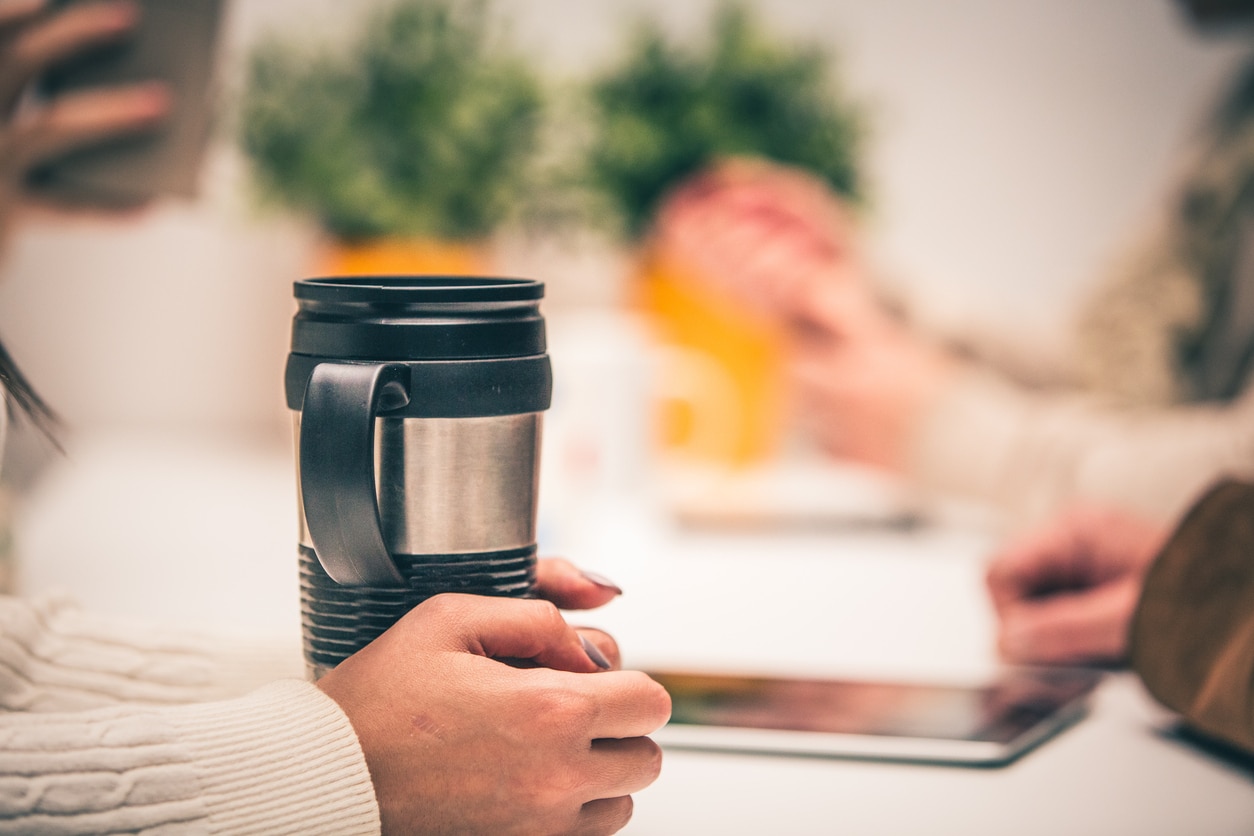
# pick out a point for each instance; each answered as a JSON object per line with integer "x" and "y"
{"x": 470, "y": 715}
{"x": 1158, "y": 406}
{"x": 1098, "y": 585}
{"x": 1155, "y": 403}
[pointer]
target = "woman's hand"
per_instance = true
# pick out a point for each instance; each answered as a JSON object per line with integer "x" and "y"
{"x": 863, "y": 381}
{"x": 461, "y": 738}
{"x": 1065, "y": 594}
{"x": 570, "y": 588}
{"x": 33, "y": 40}
{"x": 780, "y": 241}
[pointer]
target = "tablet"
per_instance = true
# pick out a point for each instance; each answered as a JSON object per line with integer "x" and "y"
{"x": 985, "y": 725}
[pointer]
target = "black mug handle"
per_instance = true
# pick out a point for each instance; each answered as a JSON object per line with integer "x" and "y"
{"x": 337, "y": 485}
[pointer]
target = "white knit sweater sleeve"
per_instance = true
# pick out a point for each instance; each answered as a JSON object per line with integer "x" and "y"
{"x": 1034, "y": 452}
{"x": 56, "y": 657}
{"x": 154, "y": 756}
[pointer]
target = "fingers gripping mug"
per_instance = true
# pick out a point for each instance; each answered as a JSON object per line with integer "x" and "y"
{"x": 417, "y": 405}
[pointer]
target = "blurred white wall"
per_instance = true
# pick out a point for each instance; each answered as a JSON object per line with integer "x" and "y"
{"x": 1015, "y": 147}
{"x": 1016, "y": 144}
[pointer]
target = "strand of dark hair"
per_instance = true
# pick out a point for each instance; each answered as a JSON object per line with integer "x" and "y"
{"x": 21, "y": 399}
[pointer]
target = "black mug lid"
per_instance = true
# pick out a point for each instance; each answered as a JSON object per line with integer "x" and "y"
{"x": 418, "y": 289}
{"x": 418, "y": 317}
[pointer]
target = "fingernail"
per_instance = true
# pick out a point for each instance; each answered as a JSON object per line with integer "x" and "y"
{"x": 602, "y": 581}
{"x": 597, "y": 657}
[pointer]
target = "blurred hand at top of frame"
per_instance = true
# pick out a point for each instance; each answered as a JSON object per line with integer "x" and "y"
{"x": 1065, "y": 593}
{"x": 34, "y": 38}
{"x": 492, "y": 715}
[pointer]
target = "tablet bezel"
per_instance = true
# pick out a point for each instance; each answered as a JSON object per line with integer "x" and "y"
{"x": 968, "y": 751}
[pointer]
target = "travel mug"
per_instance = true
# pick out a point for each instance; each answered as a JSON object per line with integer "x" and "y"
{"x": 417, "y": 405}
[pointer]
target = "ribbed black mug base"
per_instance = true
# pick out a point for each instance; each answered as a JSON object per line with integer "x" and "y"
{"x": 339, "y": 620}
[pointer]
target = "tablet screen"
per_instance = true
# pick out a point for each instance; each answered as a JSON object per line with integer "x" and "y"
{"x": 1003, "y": 714}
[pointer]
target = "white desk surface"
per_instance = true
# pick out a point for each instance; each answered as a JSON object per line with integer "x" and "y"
{"x": 204, "y": 537}
{"x": 899, "y": 606}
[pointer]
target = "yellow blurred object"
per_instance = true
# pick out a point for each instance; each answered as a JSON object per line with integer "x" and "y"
{"x": 403, "y": 255}
{"x": 721, "y": 383}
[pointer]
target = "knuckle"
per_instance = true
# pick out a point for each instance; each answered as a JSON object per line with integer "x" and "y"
{"x": 651, "y": 757}
{"x": 601, "y": 817}
{"x": 564, "y": 710}
{"x": 654, "y": 700}
{"x": 443, "y": 606}
{"x": 619, "y": 813}
{"x": 542, "y": 616}
{"x": 558, "y": 791}
{"x": 546, "y": 612}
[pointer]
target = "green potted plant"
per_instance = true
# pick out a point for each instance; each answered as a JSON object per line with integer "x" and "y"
{"x": 668, "y": 110}
{"x": 410, "y": 145}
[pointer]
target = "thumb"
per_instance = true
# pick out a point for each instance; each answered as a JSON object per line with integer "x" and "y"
{"x": 1086, "y": 626}
{"x": 512, "y": 629}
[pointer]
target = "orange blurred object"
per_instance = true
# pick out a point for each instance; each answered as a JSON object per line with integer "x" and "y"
{"x": 722, "y": 396}
{"x": 403, "y": 256}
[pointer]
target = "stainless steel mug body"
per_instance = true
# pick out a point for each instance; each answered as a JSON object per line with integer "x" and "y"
{"x": 417, "y": 407}
{"x": 453, "y": 485}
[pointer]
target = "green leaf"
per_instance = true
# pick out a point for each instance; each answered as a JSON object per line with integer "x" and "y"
{"x": 425, "y": 125}
{"x": 667, "y": 110}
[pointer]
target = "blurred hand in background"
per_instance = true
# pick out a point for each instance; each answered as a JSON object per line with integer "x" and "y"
{"x": 1065, "y": 593}
{"x": 862, "y": 379}
{"x": 34, "y": 39}
{"x": 784, "y": 244}
{"x": 763, "y": 232}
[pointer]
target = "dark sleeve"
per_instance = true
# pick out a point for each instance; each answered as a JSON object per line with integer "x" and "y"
{"x": 1193, "y": 632}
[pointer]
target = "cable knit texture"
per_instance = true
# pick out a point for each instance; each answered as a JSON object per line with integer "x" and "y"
{"x": 56, "y": 657}
{"x": 114, "y": 729}
{"x": 53, "y": 657}
{"x": 96, "y": 772}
